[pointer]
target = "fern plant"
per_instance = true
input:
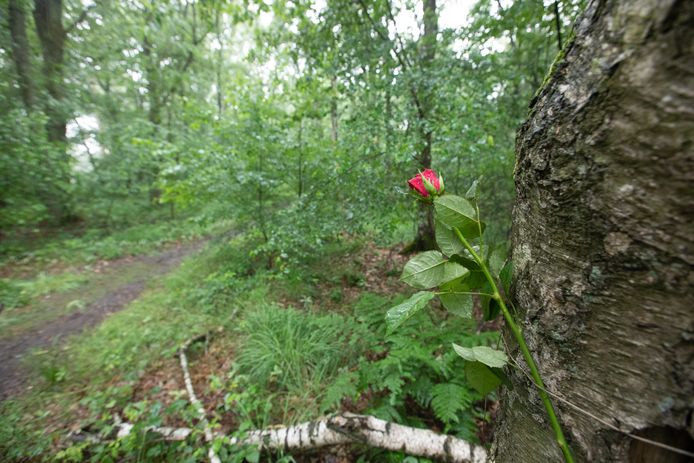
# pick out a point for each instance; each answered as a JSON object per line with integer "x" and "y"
{"x": 410, "y": 367}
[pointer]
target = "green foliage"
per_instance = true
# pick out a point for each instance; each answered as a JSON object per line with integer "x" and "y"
{"x": 456, "y": 302}
{"x": 409, "y": 365}
{"x": 483, "y": 378}
{"x": 17, "y": 293}
{"x": 448, "y": 400}
{"x": 288, "y": 350}
{"x": 344, "y": 386}
{"x": 484, "y": 364}
{"x": 430, "y": 269}
{"x": 457, "y": 225}
{"x": 97, "y": 244}
{"x": 483, "y": 354}
{"x": 456, "y": 212}
{"x": 447, "y": 241}
{"x": 296, "y": 121}
{"x": 400, "y": 313}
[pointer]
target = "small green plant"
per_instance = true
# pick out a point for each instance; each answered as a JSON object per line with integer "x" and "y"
{"x": 465, "y": 267}
{"x": 336, "y": 295}
{"x": 292, "y": 350}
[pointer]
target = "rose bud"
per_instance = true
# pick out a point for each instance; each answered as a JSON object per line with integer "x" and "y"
{"x": 426, "y": 183}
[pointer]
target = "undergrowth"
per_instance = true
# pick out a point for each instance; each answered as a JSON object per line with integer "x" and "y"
{"x": 298, "y": 353}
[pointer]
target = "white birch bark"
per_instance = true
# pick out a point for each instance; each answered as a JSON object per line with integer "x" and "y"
{"x": 346, "y": 429}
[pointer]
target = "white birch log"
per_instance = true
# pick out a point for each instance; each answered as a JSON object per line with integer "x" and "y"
{"x": 348, "y": 428}
{"x": 167, "y": 433}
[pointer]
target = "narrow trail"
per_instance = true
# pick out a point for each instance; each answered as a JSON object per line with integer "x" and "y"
{"x": 14, "y": 375}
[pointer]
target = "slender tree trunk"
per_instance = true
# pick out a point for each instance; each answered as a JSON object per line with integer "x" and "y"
{"x": 20, "y": 51}
{"x": 153, "y": 90}
{"x": 424, "y": 239}
{"x": 333, "y": 107}
{"x": 604, "y": 242}
{"x": 300, "y": 167}
{"x": 220, "y": 63}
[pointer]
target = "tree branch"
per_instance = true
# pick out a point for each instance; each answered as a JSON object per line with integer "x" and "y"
{"x": 81, "y": 17}
{"x": 404, "y": 62}
{"x": 199, "y": 408}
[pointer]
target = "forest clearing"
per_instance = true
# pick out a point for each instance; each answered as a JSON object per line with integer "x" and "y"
{"x": 347, "y": 231}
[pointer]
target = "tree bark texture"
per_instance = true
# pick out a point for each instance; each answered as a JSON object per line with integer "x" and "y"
{"x": 602, "y": 240}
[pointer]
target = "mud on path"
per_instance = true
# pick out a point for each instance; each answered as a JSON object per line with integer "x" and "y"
{"x": 14, "y": 375}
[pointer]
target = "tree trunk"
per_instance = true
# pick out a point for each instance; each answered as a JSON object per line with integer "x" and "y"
{"x": 220, "y": 63}
{"x": 153, "y": 91}
{"x": 20, "y": 51}
{"x": 48, "y": 16}
{"x": 333, "y": 108}
{"x": 603, "y": 252}
{"x": 424, "y": 240}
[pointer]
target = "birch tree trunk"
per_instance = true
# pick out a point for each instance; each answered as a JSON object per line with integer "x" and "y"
{"x": 603, "y": 237}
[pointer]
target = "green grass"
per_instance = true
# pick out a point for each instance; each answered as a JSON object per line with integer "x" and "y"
{"x": 49, "y": 297}
{"x": 16, "y": 293}
{"x": 23, "y": 254}
{"x": 292, "y": 350}
{"x": 98, "y": 370}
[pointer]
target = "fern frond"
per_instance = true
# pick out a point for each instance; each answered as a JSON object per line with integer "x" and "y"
{"x": 343, "y": 386}
{"x": 447, "y": 400}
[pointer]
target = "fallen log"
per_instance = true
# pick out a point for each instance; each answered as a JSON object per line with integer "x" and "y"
{"x": 346, "y": 428}
{"x": 339, "y": 429}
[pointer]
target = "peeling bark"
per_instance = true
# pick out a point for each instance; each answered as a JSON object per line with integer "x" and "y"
{"x": 603, "y": 254}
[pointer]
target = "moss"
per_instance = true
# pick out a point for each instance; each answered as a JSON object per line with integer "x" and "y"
{"x": 558, "y": 59}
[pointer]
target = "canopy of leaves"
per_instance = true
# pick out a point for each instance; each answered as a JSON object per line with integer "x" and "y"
{"x": 302, "y": 116}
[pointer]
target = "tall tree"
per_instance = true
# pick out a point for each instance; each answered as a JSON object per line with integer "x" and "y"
{"x": 21, "y": 52}
{"x": 603, "y": 240}
{"x": 423, "y": 98}
{"x": 48, "y": 16}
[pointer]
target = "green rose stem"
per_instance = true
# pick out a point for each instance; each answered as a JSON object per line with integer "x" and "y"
{"x": 515, "y": 329}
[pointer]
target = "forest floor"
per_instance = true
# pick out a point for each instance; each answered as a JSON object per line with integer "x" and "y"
{"x": 104, "y": 287}
{"x": 99, "y": 340}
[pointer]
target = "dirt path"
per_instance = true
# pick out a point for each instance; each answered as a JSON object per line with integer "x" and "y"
{"x": 13, "y": 375}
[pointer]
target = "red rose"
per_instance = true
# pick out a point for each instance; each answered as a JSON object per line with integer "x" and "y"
{"x": 425, "y": 183}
